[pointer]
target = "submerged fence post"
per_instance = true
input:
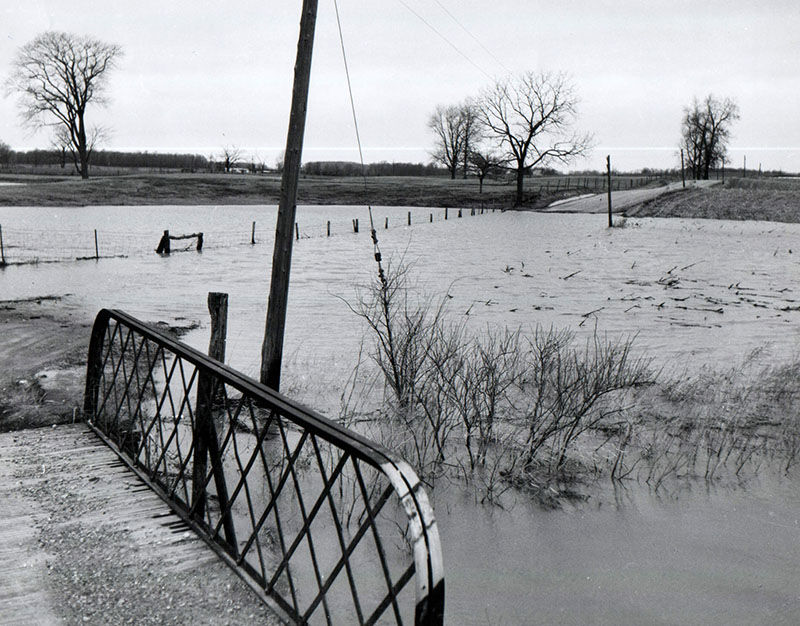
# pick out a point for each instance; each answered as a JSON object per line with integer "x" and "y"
{"x": 329, "y": 228}
{"x": 409, "y": 218}
{"x": 96, "y": 249}
{"x": 2, "y": 250}
{"x": 163, "y": 245}
{"x": 297, "y": 231}
{"x": 253, "y": 234}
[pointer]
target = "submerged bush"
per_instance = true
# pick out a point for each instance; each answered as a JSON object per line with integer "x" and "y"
{"x": 491, "y": 405}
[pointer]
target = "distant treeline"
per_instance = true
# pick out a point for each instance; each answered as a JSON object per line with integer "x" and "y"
{"x": 105, "y": 158}
{"x": 350, "y": 168}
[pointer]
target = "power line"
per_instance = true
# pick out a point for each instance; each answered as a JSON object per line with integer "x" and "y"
{"x": 447, "y": 41}
{"x": 478, "y": 41}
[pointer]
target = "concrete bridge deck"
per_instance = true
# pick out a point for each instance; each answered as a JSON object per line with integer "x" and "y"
{"x": 84, "y": 541}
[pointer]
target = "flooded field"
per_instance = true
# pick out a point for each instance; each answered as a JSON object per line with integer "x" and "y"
{"x": 694, "y": 293}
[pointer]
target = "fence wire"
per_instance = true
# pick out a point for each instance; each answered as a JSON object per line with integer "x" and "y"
{"x": 26, "y": 246}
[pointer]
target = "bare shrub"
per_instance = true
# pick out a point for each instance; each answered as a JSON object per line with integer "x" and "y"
{"x": 492, "y": 405}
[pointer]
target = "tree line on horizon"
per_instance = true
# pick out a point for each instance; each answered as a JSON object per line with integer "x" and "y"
{"x": 517, "y": 124}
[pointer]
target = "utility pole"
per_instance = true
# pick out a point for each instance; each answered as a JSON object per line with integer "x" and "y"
{"x": 272, "y": 349}
{"x": 608, "y": 173}
{"x": 683, "y": 173}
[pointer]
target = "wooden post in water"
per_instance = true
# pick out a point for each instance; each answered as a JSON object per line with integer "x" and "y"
{"x": 96, "y": 248}
{"x": 163, "y": 245}
{"x": 253, "y": 235}
{"x": 297, "y": 231}
{"x": 272, "y": 348}
{"x": 329, "y": 228}
{"x": 409, "y": 218}
{"x": 459, "y": 213}
{"x": 608, "y": 173}
{"x": 2, "y": 249}
{"x": 386, "y": 224}
{"x": 355, "y": 225}
{"x": 445, "y": 213}
{"x": 431, "y": 218}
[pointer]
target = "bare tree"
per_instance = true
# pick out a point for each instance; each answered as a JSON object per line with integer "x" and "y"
{"x": 705, "y": 132}
{"x": 531, "y": 118}
{"x": 455, "y": 128}
{"x": 483, "y": 163}
{"x": 471, "y": 131}
{"x": 230, "y": 155}
{"x": 57, "y": 75}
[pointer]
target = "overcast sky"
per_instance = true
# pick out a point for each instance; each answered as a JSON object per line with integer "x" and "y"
{"x": 197, "y": 75}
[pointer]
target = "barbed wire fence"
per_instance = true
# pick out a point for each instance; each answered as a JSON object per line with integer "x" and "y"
{"x": 22, "y": 246}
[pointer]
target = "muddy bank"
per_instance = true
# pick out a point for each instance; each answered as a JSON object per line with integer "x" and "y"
{"x": 43, "y": 351}
{"x": 43, "y": 346}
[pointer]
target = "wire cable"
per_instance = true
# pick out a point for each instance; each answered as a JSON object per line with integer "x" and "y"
{"x": 447, "y": 41}
{"x": 478, "y": 41}
{"x": 373, "y": 232}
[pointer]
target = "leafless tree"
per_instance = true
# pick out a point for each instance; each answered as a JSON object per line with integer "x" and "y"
{"x": 471, "y": 131}
{"x": 483, "y": 163}
{"x": 230, "y": 155}
{"x": 531, "y": 119}
{"x": 705, "y": 132}
{"x": 455, "y": 129}
{"x": 56, "y": 76}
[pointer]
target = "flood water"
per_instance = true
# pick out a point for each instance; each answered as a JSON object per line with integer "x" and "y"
{"x": 694, "y": 293}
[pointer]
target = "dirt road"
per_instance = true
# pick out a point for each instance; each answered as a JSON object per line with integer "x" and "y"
{"x": 598, "y": 203}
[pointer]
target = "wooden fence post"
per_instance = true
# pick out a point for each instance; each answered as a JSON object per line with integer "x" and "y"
{"x": 205, "y": 432}
{"x": 297, "y": 231}
{"x": 329, "y": 228}
{"x": 253, "y": 234}
{"x": 2, "y": 249}
{"x": 355, "y": 225}
{"x": 163, "y": 245}
{"x": 445, "y": 213}
{"x": 96, "y": 249}
{"x": 409, "y": 218}
{"x": 608, "y": 173}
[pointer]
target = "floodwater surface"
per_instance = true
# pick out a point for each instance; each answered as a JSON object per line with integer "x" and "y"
{"x": 694, "y": 293}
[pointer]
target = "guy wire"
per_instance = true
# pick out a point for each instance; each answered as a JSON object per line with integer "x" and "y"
{"x": 374, "y": 234}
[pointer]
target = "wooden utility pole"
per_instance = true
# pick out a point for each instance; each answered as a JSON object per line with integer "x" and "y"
{"x": 608, "y": 173}
{"x": 683, "y": 171}
{"x": 272, "y": 349}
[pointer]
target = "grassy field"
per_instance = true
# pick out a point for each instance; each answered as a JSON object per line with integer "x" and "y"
{"x": 769, "y": 199}
{"x": 203, "y": 189}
